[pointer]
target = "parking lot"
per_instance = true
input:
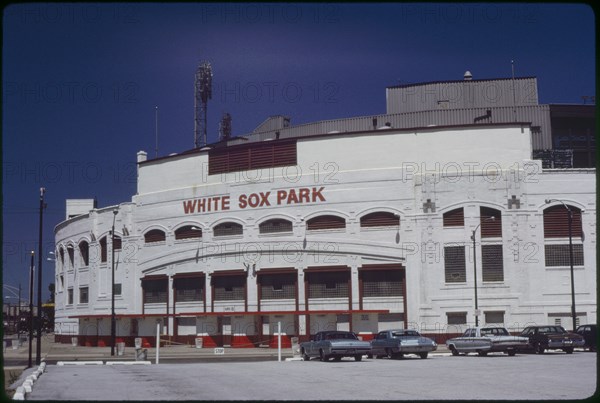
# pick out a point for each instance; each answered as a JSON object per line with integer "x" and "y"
{"x": 497, "y": 377}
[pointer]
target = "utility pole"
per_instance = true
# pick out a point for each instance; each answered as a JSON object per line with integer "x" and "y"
{"x": 38, "y": 347}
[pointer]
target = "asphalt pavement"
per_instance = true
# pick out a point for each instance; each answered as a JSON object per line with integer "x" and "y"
{"x": 556, "y": 376}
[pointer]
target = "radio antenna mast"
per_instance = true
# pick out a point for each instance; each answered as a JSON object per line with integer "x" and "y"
{"x": 203, "y": 92}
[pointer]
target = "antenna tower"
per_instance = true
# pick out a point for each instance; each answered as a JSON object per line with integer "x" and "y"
{"x": 225, "y": 127}
{"x": 202, "y": 93}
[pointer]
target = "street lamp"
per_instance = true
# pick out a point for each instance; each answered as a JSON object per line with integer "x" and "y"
{"x": 31, "y": 275}
{"x": 113, "y": 330}
{"x": 38, "y": 347}
{"x": 570, "y": 216}
{"x": 492, "y": 218}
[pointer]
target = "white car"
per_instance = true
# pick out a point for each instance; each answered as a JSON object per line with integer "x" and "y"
{"x": 483, "y": 340}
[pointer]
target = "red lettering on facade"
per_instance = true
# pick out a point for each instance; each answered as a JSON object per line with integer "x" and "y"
{"x": 304, "y": 195}
{"x": 281, "y": 196}
{"x": 189, "y": 206}
{"x": 316, "y": 194}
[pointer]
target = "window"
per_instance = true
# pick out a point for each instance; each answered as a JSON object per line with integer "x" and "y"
{"x": 229, "y": 288}
{"x": 118, "y": 288}
{"x": 70, "y": 296}
{"x": 454, "y": 218}
{"x": 559, "y": 255}
{"x": 103, "y": 250}
{"x": 155, "y": 291}
{"x": 189, "y": 289}
{"x": 456, "y": 318}
{"x": 188, "y": 232}
{"x": 83, "y": 295}
{"x": 492, "y": 265}
{"x": 252, "y": 156}
{"x": 275, "y": 226}
{"x": 71, "y": 253}
{"x": 117, "y": 243}
{"x": 328, "y": 284}
{"x": 61, "y": 255}
{"x": 278, "y": 286}
{"x": 228, "y": 229}
{"x": 154, "y": 235}
{"x": 380, "y": 219}
{"x": 382, "y": 283}
{"x": 325, "y": 222}
{"x": 494, "y": 317}
{"x": 454, "y": 264}
{"x": 84, "y": 251}
{"x": 490, "y": 228}
{"x": 556, "y": 222}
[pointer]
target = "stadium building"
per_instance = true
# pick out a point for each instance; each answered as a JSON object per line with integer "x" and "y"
{"x": 318, "y": 227}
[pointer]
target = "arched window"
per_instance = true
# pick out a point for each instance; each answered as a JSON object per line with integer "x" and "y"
{"x": 325, "y": 222}
{"x": 454, "y": 218}
{"x": 227, "y": 229}
{"x": 556, "y": 230}
{"x": 379, "y": 219}
{"x": 490, "y": 228}
{"x": 556, "y": 222}
{"x": 117, "y": 243}
{"x": 84, "y": 251}
{"x": 275, "y": 225}
{"x": 71, "y": 253}
{"x": 188, "y": 232}
{"x": 154, "y": 235}
{"x": 103, "y": 251}
{"x": 61, "y": 257}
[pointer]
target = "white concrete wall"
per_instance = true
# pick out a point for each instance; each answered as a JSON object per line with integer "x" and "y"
{"x": 359, "y": 174}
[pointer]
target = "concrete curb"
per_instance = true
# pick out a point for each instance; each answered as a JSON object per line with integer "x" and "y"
{"x": 128, "y": 363}
{"x": 27, "y": 385}
{"x": 61, "y": 363}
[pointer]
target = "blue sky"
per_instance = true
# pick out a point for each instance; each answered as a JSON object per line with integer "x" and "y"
{"x": 81, "y": 81}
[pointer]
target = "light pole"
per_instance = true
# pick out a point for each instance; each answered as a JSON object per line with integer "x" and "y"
{"x": 570, "y": 217}
{"x": 113, "y": 330}
{"x": 492, "y": 218}
{"x": 38, "y": 347}
{"x": 31, "y": 275}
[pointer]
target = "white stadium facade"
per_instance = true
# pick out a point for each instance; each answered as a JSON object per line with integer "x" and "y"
{"x": 360, "y": 230}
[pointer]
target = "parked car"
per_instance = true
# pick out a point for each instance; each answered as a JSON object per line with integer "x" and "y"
{"x": 334, "y": 344}
{"x": 397, "y": 342}
{"x": 542, "y": 338}
{"x": 483, "y": 340}
{"x": 589, "y": 334}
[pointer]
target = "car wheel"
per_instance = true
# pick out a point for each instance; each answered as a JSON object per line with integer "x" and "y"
{"x": 511, "y": 353}
{"x": 369, "y": 355}
{"x": 338, "y": 358}
{"x": 539, "y": 349}
{"x": 358, "y": 358}
{"x": 569, "y": 350}
{"x": 322, "y": 356}
{"x": 423, "y": 355}
{"x": 453, "y": 350}
{"x": 388, "y": 353}
{"x": 482, "y": 353}
{"x": 305, "y": 356}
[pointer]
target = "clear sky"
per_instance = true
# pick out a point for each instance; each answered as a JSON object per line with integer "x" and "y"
{"x": 81, "y": 82}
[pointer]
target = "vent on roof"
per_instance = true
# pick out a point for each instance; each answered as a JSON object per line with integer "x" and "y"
{"x": 468, "y": 76}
